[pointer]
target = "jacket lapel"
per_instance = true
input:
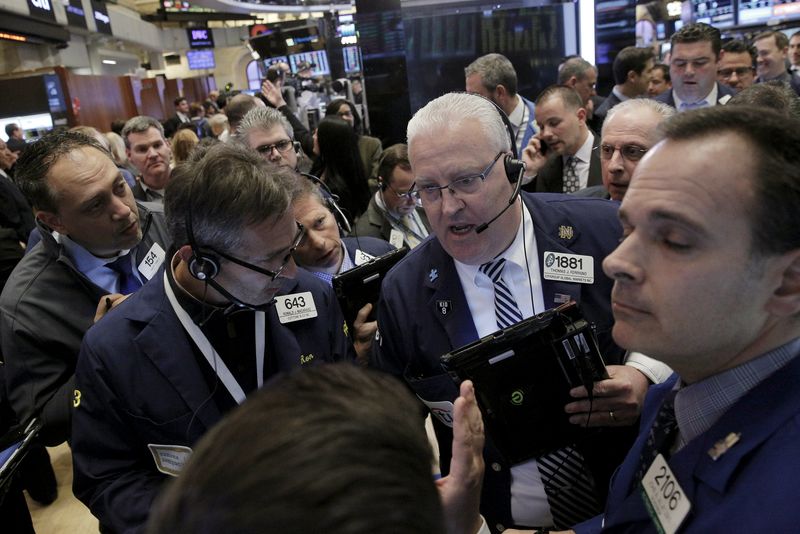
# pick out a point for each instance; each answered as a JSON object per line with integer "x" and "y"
{"x": 447, "y": 298}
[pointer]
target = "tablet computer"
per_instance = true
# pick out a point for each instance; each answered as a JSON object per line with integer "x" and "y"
{"x": 362, "y": 285}
{"x": 13, "y": 448}
{"x": 522, "y": 378}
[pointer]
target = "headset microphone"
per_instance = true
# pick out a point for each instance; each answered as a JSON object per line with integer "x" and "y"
{"x": 517, "y": 186}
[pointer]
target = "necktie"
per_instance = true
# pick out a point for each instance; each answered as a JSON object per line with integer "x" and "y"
{"x": 569, "y": 488}
{"x": 128, "y": 282}
{"x": 571, "y": 181}
{"x": 326, "y": 277}
{"x": 660, "y": 436}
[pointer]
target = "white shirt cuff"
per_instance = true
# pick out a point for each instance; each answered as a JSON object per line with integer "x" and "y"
{"x": 656, "y": 371}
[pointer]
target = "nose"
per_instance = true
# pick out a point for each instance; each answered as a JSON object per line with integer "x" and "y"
{"x": 120, "y": 211}
{"x": 615, "y": 163}
{"x": 312, "y": 240}
{"x": 274, "y": 155}
{"x": 622, "y": 264}
{"x": 450, "y": 203}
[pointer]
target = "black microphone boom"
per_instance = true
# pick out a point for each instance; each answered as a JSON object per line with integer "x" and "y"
{"x": 482, "y": 227}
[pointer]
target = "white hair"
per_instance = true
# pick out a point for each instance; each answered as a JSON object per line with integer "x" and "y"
{"x": 449, "y": 111}
{"x": 638, "y": 106}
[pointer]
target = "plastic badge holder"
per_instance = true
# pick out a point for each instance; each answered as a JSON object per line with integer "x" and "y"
{"x": 522, "y": 378}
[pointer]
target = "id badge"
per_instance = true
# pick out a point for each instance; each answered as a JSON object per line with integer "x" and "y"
{"x": 576, "y": 268}
{"x": 665, "y": 500}
{"x": 295, "y": 307}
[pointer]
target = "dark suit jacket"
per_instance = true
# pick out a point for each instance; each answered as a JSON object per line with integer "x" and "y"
{"x": 414, "y": 334}
{"x": 371, "y": 245}
{"x": 15, "y": 212}
{"x": 141, "y": 195}
{"x": 599, "y": 116}
{"x": 747, "y": 489}
{"x": 551, "y": 178}
{"x": 373, "y": 223}
{"x": 668, "y": 98}
{"x": 140, "y": 384}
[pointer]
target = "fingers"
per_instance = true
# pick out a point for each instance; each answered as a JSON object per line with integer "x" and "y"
{"x": 108, "y": 303}
{"x": 362, "y": 315}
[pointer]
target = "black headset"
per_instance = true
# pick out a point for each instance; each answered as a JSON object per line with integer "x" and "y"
{"x": 513, "y": 166}
{"x": 202, "y": 265}
{"x": 331, "y": 203}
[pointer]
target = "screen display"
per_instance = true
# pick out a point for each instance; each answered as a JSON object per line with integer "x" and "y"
{"x": 200, "y": 59}
{"x": 33, "y": 126}
{"x": 352, "y": 63}
{"x": 718, "y": 13}
{"x": 317, "y": 57}
{"x": 200, "y": 37}
{"x": 760, "y": 11}
{"x": 273, "y": 60}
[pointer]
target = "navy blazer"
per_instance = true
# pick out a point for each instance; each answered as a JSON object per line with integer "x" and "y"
{"x": 747, "y": 489}
{"x": 722, "y": 91}
{"x": 138, "y": 383}
{"x": 371, "y": 245}
{"x": 414, "y": 333}
{"x": 550, "y": 178}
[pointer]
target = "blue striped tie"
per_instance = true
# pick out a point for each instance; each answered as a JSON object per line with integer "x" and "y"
{"x": 505, "y": 307}
{"x": 569, "y": 488}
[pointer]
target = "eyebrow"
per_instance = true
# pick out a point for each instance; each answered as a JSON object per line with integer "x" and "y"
{"x": 659, "y": 216}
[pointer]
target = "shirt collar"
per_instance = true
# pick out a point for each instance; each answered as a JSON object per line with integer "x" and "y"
{"x": 84, "y": 261}
{"x": 711, "y": 98}
{"x": 584, "y": 153}
{"x": 619, "y": 95}
{"x": 698, "y": 406}
{"x": 514, "y": 254}
{"x": 516, "y": 116}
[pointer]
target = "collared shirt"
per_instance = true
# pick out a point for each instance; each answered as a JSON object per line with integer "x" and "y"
{"x": 618, "y": 94}
{"x": 710, "y": 99}
{"x": 529, "y": 504}
{"x": 583, "y": 158}
{"x": 151, "y": 193}
{"x": 698, "y": 406}
{"x": 519, "y": 122}
{"x": 183, "y": 117}
{"x": 94, "y": 268}
{"x": 410, "y": 225}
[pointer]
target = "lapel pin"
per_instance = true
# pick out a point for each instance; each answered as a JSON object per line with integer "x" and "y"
{"x": 444, "y": 306}
{"x": 433, "y": 275}
{"x": 566, "y": 232}
{"x": 723, "y": 445}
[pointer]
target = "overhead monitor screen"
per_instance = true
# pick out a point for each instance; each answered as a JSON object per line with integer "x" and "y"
{"x": 200, "y": 59}
{"x": 318, "y": 58}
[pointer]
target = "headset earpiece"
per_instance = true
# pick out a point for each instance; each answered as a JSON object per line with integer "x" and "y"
{"x": 203, "y": 266}
{"x": 381, "y": 184}
{"x": 296, "y": 146}
{"x": 514, "y": 168}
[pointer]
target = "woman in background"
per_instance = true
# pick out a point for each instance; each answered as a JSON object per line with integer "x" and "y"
{"x": 369, "y": 148}
{"x": 338, "y": 164}
{"x": 183, "y": 142}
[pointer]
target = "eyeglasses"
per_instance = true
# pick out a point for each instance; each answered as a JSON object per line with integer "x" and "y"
{"x": 298, "y": 238}
{"x": 740, "y": 71}
{"x": 409, "y": 195}
{"x": 281, "y": 146}
{"x": 463, "y": 186}
{"x": 628, "y": 152}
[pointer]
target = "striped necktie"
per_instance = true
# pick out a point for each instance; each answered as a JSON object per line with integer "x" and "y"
{"x": 569, "y": 487}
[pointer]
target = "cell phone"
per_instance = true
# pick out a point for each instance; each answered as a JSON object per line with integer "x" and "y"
{"x": 274, "y": 74}
{"x": 543, "y": 148}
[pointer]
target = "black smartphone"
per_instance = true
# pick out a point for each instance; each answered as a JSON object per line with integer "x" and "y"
{"x": 543, "y": 148}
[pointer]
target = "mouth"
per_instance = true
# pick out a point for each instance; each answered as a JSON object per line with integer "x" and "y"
{"x": 131, "y": 229}
{"x": 625, "y": 308}
{"x": 461, "y": 229}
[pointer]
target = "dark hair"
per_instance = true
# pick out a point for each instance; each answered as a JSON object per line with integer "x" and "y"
{"x": 228, "y": 189}
{"x": 774, "y": 139}
{"x": 664, "y": 70}
{"x": 237, "y": 108}
{"x": 341, "y": 161}
{"x": 773, "y": 94}
{"x": 781, "y": 40}
{"x": 333, "y": 109}
{"x": 11, "y": 128}
{"x": 178, "y": 100}
{"x": 569, "y": 96}
{"x": 695, "y": 33}
{"x": 195, "y": 108}
{"x": 333, "y": 448}
{"x": 117, "y": 125}
{"x": 740, "y": 47}
{"x": 36, "y": 161}
{"x": 395, "y": 155}
{"x": 630, "y": 58}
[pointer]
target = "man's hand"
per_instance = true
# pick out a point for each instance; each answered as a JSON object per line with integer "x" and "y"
{"x": 460, "y": 491}
{"x": 533, "y": 157}
{"x": 617, "y": 401}
{"x": 107, "y": 303}
{"x": 363, "y": 334}
{"x": 272, "y": 93}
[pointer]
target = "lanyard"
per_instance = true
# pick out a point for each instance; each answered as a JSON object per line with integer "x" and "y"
{"x": 211, "y": 355}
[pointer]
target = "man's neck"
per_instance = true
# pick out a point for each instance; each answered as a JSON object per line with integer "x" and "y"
{"x": 155, "y": 182}
{"x": 511, "y": 104}
{"x": 627, "y": 90}
{"x": 574, "y": 149}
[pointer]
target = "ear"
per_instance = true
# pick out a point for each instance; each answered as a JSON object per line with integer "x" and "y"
{"x": 572, "y": 81}
{"x": 581, "y": 113}
{"x": 185, "y": 253}
{"x": 52, "y": 220}
{"x": 501, "y": 92}
{"x": 632, "y": 76}
{"x": 785, "y": 300}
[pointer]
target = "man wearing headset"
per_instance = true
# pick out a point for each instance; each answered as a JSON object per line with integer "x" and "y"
{"x": 229, "y": 310}
{"x": 443, "y": 296}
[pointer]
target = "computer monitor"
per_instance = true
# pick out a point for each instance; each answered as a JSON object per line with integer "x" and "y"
{"x": 318, "y": 57}
{"x": 200, "y": 59}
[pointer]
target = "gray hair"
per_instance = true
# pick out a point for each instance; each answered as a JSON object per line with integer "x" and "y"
{"x": 261, "y": 118}
{"x": 227, "y": 190}
{"x": 140, "y": 124}
{"x": 577, "y": 67}
{"x": 640, "y": 105}
{"x": 451, "y": 110}
{"x": 494, "y": 70}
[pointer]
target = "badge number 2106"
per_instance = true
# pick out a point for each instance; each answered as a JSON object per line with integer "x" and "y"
{"x": 665, "y": 499}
